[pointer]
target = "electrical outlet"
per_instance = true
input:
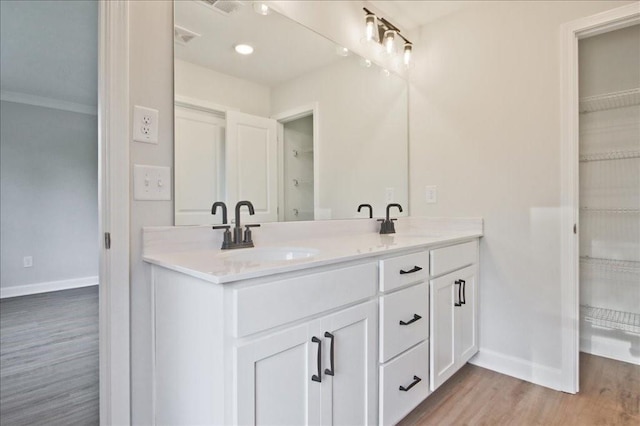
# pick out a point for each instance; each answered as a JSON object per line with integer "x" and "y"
{"x": 27, "y": 261}
{"x": 431, "y": 194}
{"x": 145, "y": 125}
{"x": 151, "y": 183}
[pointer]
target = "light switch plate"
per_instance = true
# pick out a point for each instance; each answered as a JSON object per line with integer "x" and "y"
{"x": 145, "y": 124}
{"x": 431, "y": 194}
{"x": 151, "y": 183}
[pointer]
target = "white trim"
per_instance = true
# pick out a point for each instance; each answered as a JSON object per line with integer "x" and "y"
{"x": 113, "y": 189}
{"x": 201, "y": 105}
{"x": 24, "y": 98}
{"x": 570, "y": 32}
{"x": 293, "y": 114}
{"x": 519, "y": 368}
{"x": 46, "y": 287}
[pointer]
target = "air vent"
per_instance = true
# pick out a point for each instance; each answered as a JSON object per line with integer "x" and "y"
{"x": 183, "y": 35}
{"x": 226, "y": 7}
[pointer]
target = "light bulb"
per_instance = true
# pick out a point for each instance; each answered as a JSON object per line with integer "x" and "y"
{"x": 390, "y": 41}
{"x": 244, "y": 49}
{"x": 408, "y": 48}
{"x": 370, "y": 27}
{"x": 261, "y": 8}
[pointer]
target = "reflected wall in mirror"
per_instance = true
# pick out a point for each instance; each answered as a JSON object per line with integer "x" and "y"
{"x": 302, "y": 128}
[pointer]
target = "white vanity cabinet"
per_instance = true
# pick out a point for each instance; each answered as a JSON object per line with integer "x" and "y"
{"x": 360, "y": 341}
{"x": 453, "y": 302}
{"x": 404, "y": 334}
{"x": 322, "y": 372}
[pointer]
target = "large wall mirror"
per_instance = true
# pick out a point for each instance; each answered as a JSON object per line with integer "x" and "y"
{"x": 300, "y": 127}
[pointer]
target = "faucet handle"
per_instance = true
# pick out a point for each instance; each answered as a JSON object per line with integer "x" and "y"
{"x": 220, "y": 227}
{"x": 247, "y": 233}
{"x": 226, "y": 239}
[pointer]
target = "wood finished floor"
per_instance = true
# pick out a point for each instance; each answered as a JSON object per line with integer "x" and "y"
{"x": 49, "y": 359}
{"x": 609, "y": 395}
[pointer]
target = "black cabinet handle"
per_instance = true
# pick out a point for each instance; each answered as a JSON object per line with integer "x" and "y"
{"x": 330, "y": 371}
{"x": 464, "y": 292}
{"x": 459, "y": 302}
{"x": 317, "y": 377}
{"x": 416, "y": 380}
{"x": 415, "y": 318}
{"x": 410, "y": 271}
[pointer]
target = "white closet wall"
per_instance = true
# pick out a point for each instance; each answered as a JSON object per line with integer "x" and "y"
{"x": 610, "y": 194}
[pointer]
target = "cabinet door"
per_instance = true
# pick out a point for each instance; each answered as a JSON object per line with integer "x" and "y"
{"x": 274, "y": 384}
{"x": 443, "y": 296}
{"x": 350, "y": 396}
{"x": 465, "y": 320}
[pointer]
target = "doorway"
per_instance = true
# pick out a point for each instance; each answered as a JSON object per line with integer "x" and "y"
{"x": 50, "y": 212}
{"x": 609, "y": 178}
{"x": 572, "y": 32}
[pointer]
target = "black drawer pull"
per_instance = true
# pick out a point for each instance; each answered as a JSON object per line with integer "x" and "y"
{"x": 416, "y": 380}
{"x": 330, "y": 371}
{"x": 316, "y": 377}
{"x": 410, "y": 271}
{"x": 415, "y": 318}
{"x": 464, "y": 292}
{"x": 459, "y": 284}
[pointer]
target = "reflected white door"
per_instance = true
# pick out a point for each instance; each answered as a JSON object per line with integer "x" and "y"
{"x": 199, "y": 165}
{"x": 252, "y": 164}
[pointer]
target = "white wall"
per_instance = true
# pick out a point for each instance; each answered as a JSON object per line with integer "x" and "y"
{"x": 201, "y": 83}
{"x": 151, "y": 85}
{"x": 485, "y": 128}
{"x": 49, "y": 195}
{"x": 363, "y": 133}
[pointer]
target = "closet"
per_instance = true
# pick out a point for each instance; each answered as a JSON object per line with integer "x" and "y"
{"x": 610, "y": 194}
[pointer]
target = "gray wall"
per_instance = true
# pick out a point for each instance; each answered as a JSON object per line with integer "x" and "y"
{"x": 49, "y": 194}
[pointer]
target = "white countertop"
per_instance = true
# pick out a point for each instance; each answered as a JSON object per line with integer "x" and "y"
{"x": 195, "y": 250}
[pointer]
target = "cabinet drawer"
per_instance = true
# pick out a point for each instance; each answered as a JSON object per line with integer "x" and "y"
{"x": 268, "y": 305}
{"x": 449, "y": 259}
{"x": 400, "y": 271}
{"x": 404, "y": 320}
{"x": 403, "y": 371}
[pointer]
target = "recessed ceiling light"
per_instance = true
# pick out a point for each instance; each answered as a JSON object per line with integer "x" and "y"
{"x": 244, "y": 49}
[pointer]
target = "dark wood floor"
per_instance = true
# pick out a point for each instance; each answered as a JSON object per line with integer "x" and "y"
{"x": 49, "y": 359}
{"x": 609, "y": 395}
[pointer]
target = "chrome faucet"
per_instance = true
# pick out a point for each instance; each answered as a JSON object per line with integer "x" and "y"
{"x": 387, "y": 226}
{"x": 239, "y": 240}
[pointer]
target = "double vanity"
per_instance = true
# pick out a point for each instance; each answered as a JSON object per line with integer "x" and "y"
{"x": 324, "y": 322}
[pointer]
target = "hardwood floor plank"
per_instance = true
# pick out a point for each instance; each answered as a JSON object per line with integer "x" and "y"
{"x": 609, "y": 395}
{"x": 49, "y": 358}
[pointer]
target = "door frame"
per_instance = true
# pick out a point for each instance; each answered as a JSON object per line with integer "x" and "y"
{"x": 312, "y": 109}
{"x": 113, "y": 208}
{"x": 571, "y": 32}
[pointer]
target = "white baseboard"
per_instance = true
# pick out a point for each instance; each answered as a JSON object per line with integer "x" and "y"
{"x": 610, "y": 348}
{"x": 519, "y": 368}
{"x": 46, "y": 287}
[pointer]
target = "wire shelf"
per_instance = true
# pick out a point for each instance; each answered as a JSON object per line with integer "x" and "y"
{"x": 611, "y": 319}
{"x": 609, "y": 211}
{"x": 612, "y": 264}
{"x": 606, "y": 101}
{"x": 613, "y": 155}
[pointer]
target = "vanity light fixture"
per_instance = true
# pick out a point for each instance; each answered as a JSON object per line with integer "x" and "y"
{"x": 408, "y": 50}
{"x": 243, "y": 49}
{"x": 379, "y": 30}
{"x": 390, "y": 41}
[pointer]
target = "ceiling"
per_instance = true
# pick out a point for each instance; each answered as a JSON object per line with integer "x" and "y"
{"x": 409, "y": 15}
{"x": 284, "y": 49}
{"x": 50, "y": 49}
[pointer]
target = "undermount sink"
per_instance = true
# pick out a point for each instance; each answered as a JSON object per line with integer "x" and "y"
{"x": 270, "y": 254}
